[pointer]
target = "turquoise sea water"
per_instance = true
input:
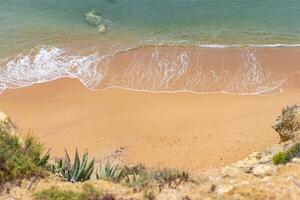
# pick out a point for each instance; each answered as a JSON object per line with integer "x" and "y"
{"x": 25, "y": 23}
{"x": 28, "y": 24}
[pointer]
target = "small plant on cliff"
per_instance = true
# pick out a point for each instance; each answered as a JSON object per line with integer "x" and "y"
{"x": 111, "y": 172}
{"x": 88, "y": 193}
{"x": 137, "y": 181}
{"x": 293, "y": 151}
{"x": 34, "y": 148}
{"x": 56, "y": 193}
{"x": 19, "y": 159}
{"x": 148, "y": 195}
{"x": 172, "y": 177}
{"x": 280, "y": 158}
{"x": 56, "y": 167}
{"x": 80, "y": 170}
{"x": 137, "y": 177}
{"x": 285, "y": 157}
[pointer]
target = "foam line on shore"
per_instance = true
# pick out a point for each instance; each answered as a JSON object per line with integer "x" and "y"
{"x": 44, "y": 64}
{"x": 247, "y": 45}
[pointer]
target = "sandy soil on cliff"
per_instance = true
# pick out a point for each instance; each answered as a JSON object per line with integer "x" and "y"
{"x": 182, "y": 130}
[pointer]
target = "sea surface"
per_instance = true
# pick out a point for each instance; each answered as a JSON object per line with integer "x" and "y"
{"x": 155, "y": 45}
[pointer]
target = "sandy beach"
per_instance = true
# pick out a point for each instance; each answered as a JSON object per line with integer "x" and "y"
{"x": 182, "y": 130}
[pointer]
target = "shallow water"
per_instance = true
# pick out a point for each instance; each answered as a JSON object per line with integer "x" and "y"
{"x": 55, "y": 40}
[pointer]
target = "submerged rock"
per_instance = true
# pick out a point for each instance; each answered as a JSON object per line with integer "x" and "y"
{"x": 93, "y": 18}
{"x": 287, "y": 125}
{"x": 101, "y": 28}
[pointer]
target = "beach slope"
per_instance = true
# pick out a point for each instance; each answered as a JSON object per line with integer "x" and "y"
{"x": 182, "y": 130}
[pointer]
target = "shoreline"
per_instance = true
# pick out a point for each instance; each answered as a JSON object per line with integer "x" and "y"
{"x": 156, "y": 129}
{"x": 160, "y": 69}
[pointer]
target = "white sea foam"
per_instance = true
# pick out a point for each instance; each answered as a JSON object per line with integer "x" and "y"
{"x": 44, "y": 64}
{"x": 247, "y": 45}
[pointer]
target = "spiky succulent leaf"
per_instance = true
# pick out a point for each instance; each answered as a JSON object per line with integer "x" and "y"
{"x": 83, "y": 166}
{"x": 68, "y": 160}
{"x": 80, "y": 170}
{"x": 110, "y": 172}
{"x": 76, "y": 167}
{"x": 89, "y": 170}
{"x": 44, "y": 160}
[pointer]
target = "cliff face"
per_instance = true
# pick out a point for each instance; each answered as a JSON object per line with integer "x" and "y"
{"x": 255, "y": 177}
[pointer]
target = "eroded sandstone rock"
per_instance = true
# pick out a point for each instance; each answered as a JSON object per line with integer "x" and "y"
{"x": 224, "y": 189}
{"x": 3, "y": 116}
{"x": 287, "y": 125}
{"x": 264, "y": 170}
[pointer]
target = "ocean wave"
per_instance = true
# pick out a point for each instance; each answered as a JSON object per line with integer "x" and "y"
{"x": 154, "y": 69}
{"x": 45, "y": 64}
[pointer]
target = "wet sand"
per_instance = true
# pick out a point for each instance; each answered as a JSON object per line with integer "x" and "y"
{"x": 183, "y": 130}
{"x": 235, "y": 70}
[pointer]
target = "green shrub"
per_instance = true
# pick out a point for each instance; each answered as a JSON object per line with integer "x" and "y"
{"x": 136, "y": 176}
{"x": 168, "y": 176}
{"x": 33, "y": 148}
{"x": 293, "y": 151}
{"x": 137, "y": 181}
{"x": 80, "y": 170}
{"x": 285, "y": 157}
{"x": 90, "y": 193}
{"x": 18, "y": 159}
{"x": 280, "y": 158}
{"x": 54, "y": 193}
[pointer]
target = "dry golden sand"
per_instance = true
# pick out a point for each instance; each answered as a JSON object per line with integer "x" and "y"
{"x": 182, "y": 130}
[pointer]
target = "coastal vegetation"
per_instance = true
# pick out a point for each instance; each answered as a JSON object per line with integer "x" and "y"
{"x": 79, "y": 170}
{"x": 88, "y": 193}
{"x": 285, "y": 157}
{"x": 110, "y": 172}
{"x": 20, "y": 159}
{"x": 77, "y": 178}
{"x": 24, "y": 159}
{"x": 138, "y": 177}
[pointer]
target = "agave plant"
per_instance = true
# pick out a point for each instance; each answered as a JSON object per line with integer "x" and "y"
{"x": 56, "y": 167}
{"x": 41, "y": 162}
{"x": 110, "y": 172}
{"x": 79, "y": 170}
